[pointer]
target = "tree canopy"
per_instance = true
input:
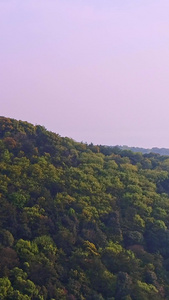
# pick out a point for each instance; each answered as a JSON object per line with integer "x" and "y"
{"x": 80, "y": 221}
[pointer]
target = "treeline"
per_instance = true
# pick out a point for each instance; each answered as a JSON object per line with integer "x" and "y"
{"x": 80, "y": 221}
{"x": 161, "y": 151}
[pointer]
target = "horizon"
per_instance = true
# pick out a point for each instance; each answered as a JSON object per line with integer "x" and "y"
{"x": 95, "y": 72}
{"x": 88, "y": 143}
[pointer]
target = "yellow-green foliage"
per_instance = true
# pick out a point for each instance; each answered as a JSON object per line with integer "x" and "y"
{"x": 80, "y": 221}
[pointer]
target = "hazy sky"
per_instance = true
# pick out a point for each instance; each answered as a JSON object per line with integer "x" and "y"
{"x": 93, "y": 70}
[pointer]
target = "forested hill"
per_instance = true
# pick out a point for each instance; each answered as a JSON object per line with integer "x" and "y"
{"x": 161, "y": 151}
{"x": 80, "y": 221}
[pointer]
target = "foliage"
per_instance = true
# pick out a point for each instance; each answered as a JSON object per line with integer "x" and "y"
{"x": 80, "y": 221}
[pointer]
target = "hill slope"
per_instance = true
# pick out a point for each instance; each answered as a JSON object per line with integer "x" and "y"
{"x": 80, "y": 221}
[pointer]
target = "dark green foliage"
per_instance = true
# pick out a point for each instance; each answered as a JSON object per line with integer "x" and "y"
{"x": 80, "y": 221}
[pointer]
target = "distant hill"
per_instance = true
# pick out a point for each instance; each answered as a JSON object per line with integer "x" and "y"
{"x": 78, "y": 221}
{"x": 161, "y": 151}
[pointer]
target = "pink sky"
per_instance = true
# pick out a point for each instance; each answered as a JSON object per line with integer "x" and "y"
{"x": 95, "y": 71}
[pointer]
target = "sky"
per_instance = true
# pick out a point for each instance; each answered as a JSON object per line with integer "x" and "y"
{"x": 96, "y": 71}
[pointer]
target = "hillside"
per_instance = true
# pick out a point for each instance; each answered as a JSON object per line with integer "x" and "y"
{"x": 80, "y": 221}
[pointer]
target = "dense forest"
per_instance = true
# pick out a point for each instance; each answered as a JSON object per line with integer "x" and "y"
{"x": 80, "y": 221}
